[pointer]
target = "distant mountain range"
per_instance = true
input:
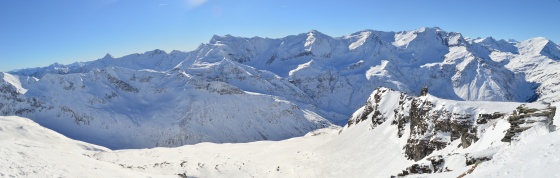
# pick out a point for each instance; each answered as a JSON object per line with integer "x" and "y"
{"x": 235, "y": 89}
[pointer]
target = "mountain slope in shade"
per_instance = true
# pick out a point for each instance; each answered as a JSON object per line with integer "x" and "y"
{"x": 124, "y": 108}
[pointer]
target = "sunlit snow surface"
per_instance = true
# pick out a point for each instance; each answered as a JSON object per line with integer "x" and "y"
{"x": 29, "y": 150}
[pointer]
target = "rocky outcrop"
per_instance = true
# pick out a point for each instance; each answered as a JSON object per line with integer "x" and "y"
{"x": 429, "y": 127}
{"x": 435, "y": 164}
{"x": 430, "y": 124}
{"x": 524, "y": 118}
{"x": 370, "y": 110}
{"x": 484, "y": 118}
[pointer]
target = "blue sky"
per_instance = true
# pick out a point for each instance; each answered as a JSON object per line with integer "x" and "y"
{"x": 38, "y": 32}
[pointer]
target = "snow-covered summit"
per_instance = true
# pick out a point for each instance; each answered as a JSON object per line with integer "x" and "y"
{"x": 540, "y": 46}
{"x": 497, "y": 45}
{"x": 154, "y": 60}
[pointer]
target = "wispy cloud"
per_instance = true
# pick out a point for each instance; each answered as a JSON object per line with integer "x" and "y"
{"x": 191, "y": 4}
{"x": 162, "y": 5}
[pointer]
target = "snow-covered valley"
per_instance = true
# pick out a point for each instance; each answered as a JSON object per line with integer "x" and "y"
{"x": 369, "y": 104}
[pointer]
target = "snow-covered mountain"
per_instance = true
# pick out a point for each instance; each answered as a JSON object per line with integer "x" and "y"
{"x": 124, "y": 108}
{"x": 235, "y": 89}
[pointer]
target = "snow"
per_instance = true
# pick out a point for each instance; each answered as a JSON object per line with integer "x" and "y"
{"x": 236, "y": 92}
{"x": 378, "y": 70}
{"x": 359, "y": 151}
{"x": 14, "y": 81}
{"x": 123, "y": 108}
{"x": 537, "y": 155}
{"x": 339, "y": 66}
{"x": 540, "y": 46}
{"x": 353, "y": 152}
{"x": 362, "y": 39}
{"x": 29, "y": 150}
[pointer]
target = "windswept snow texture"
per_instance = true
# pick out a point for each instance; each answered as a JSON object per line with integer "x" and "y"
{"x": 235, "y": 89}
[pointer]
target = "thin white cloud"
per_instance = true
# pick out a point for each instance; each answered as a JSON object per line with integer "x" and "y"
{"x": 162, "y": 5}
{"x": 191, "y": 4}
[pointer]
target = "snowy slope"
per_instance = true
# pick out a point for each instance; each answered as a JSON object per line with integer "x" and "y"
{"x": 12, "y": 81}
{"x": 29, "y": 150}
{"x": 371, "y": 147}
{"x": 124, "y": 108}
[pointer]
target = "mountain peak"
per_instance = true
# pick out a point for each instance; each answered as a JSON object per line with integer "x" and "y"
{"x": 108, "y": 56}
{"x": 540, "y": 46}
{"x": 318, "y": 43}
{"x": 315, "y": 33}
{"x": 493, "y": 44}
{"x": 429, "y": 29}
{"x": 485, "y": 40}
{"x": 156, "y": 52}
{"x": 217, "y": 38}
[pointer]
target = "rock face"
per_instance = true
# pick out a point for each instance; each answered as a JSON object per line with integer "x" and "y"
{"x": 524, "y": 118}
{"x": 427, "y": 125}
{"x": 371, "y": 110}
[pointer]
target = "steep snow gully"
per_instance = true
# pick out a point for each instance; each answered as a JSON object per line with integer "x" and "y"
{"x": 435, "y": 102}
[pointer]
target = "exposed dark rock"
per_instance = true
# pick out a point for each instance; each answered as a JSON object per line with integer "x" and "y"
{"x": 119, "y": 84}
{"x": 370, "y": 108}
{"x": 484, "y": 118}
{"x": 182, "y": 175}
{"x": 401, "y": 118}
{"x": 472, "y": 160}
{"x": 423, "y": 139}
{"x": 434, "y": 128}
{"x": 438, "y": 163}
{"x": 219, "y": 87}
{"x": 524, "y": 118}
{"x": 424, "y": 91}
{"x": 78, "y": 118}
{"x": 419, "y": 169}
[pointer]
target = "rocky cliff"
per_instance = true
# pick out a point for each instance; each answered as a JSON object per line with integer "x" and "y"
{"x": 437, "y": 131}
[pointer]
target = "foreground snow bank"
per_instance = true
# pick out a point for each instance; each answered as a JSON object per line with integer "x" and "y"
{"x": 29, "y": 150}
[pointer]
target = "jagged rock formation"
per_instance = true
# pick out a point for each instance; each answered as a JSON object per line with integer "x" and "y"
{"x": 524, "y": 118}
{"x": 429, "y": 124}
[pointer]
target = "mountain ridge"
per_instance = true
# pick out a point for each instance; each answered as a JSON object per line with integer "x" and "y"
{"x": 311, "y": 75}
